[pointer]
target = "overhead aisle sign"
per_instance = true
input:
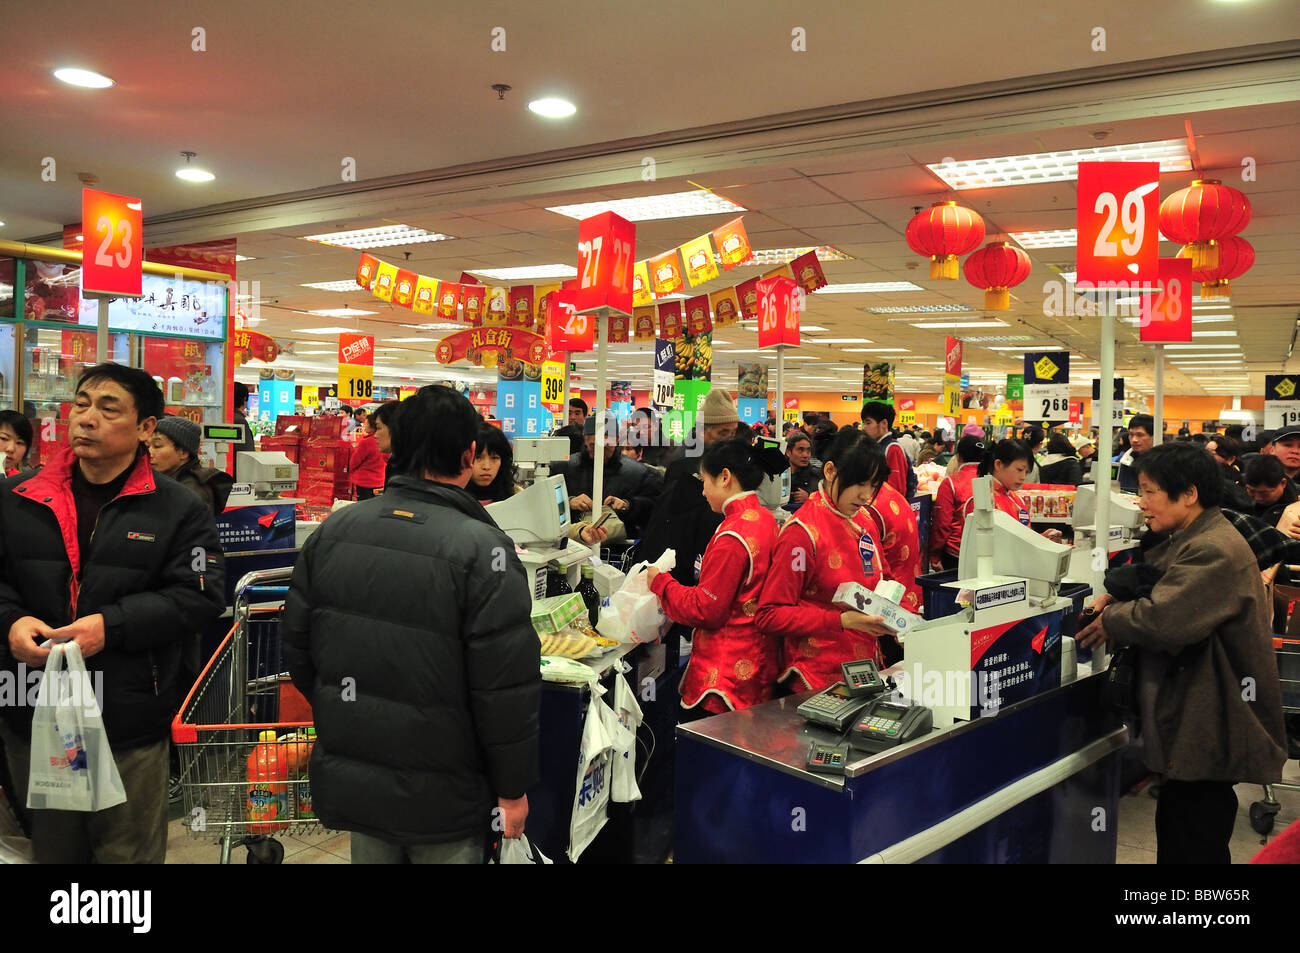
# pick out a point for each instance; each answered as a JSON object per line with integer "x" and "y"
{"x": 1117, "y": 223}
{"x": 1281, "y": 400}
{"x": 356, "y": 368}
{"x": 1047, "y": 386}
{"x": 952, "y": 376}
{"x": 1167, "y": 314}
{"x": 112, "y": 259}
{"x": 606, "y": 247}
{"x": 1116, "y": 408}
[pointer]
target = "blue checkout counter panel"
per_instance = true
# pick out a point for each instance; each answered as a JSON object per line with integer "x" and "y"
{"x": 744, "y": 794}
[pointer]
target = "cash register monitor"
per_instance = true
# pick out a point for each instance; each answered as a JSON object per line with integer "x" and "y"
{"x": 537, "y": 514}
{"x": 1018, "y": 552}
{"x": 1123, "y": 509}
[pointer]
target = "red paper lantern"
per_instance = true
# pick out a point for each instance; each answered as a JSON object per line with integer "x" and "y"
{"x": 945, "y": 231}
{"x": 1235, "y": 257}
{"x": 997, "y": 267}
{"x": 1201, "y": 216}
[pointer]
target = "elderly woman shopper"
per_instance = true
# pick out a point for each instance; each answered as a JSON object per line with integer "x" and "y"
{"x": 1208, "y": 698}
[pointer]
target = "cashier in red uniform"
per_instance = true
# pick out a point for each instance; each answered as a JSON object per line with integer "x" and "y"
{"x": 896, "y": 527}
{"x": 733, "y": 664}
{"x": 1008, "y": 462}
{"x": 948, "y": 518}
{"x": 828, "y": 542}
{"x": 367, "y": 463}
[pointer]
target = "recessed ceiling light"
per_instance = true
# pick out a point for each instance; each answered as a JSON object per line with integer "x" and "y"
{"x": 528, "y": 271}
{"x": 379, "y": 237}
{"x": 552, "y": 108}
{"x": 867, "y": 287}
{"x": 82, "y": 77}
{"x": 340, "y": 312}
{"x": 651, "y": 207}
{"x": 1057, "y": 166}
{"x": 951, "y": 325}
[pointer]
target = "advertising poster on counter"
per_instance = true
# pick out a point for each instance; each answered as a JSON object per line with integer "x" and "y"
{"x": 751, "y": 392}
{"x": 878, "y": 383}
{"x": 1013, "y": 661}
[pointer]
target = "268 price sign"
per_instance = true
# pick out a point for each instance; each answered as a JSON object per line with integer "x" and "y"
{"x": 1047, "y": 402}
{"x": 111, "y": 255}
{"x": 606, "y": 244}
{"x": 1117, "y": 219}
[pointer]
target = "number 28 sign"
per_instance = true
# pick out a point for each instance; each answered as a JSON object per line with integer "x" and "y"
{"x": 606, "y": 243}
{"x": 1118, "y": 228}
{"x": 111, "y": 256}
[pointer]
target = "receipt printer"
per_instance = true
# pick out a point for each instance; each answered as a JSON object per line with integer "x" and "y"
{"x": 884, "y": 602}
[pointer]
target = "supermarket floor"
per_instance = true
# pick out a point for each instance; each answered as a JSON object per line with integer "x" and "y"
{"x": 1137, "y": 832}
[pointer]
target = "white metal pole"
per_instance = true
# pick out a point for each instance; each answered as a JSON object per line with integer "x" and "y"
{"x": 780, "y": 390}
{"x": 1106, "y": 433}
{"x": 601, "y": 318}
{"x": 101, "y": 335}
{"x": 1158, "y": 402}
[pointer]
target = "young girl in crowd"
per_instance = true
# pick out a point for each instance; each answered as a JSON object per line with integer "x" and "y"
{"x": 828, "y": 542}
{"x": 733, "y": 665}
{"x": 494, "y": 467}
{"x": 15, "y": 439}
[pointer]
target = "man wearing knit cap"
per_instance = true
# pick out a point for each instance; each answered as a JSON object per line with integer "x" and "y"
{"x": 174, "y": 452}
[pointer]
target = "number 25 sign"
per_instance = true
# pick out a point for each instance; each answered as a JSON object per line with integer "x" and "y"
{"x": 111, "y": 254}
{"x": 605, "y": 248}
{"x": 1118, "y": 210}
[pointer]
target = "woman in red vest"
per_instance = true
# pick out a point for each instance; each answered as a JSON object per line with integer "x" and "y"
{"x": 733, "y": 665}
{"x": 367, "y": 463}
{"x": 896, "y": 527}
{"x": 830, "y": 540}
{"x": 1008, "y": 462}
{"x": 948, "y": 518}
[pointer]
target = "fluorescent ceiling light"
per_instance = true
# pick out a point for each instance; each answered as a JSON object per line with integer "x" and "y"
{"x": 1001, "y": 171}
{"x": 82, "y": 77}
{"x": 323, "y": 331}
{"x": 1021, "y": 347}
{"x": 349, "y": 285}
{"x": 801, "y": 357}
{"x": 876, "y": 350}
{"x": 950, "y": 325}
{"x": 782, "y": 256}
{"x": 652, "y": 207}
{"x": 921, "y": 309}
{"x": 838, "y": 340}
{"x": 1202, "y": 347}
{"x": 1214, "y": 334}
{"x": 528, "y": 271}
{"x": 867, "y": 287}
{"x": 1055, "y": 238}
{"x": 425, "y": 340}
{"x": 331, "y": 351}
{"x": 552, "y": 108}
{"x": 194, "y": 174}
{"x": 1212, "y": 319}
{"x": 380, "y": 237}
{"x": 812, "y": 327}
{"x": 244, "y": 258}
{"x": 339, "y": 312}
{"x": 1219, "y": 306}
{"x": 436, "y": 326}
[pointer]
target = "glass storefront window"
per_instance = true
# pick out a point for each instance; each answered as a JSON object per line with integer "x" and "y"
{"x": 52, "y": 360}
{"x": 190, "y": 375}
{"x": 8, "y": 271}
{"x": 8, "y": 335}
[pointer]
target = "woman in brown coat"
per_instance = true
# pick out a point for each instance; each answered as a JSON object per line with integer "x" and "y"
{"x": 1208, "y": 691}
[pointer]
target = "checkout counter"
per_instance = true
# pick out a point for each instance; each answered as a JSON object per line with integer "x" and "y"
{"x": 1016, "y": 762}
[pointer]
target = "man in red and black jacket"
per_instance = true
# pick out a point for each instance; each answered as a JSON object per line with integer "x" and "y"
{"x": 878, "y": 423}
{"x": 97, "y": 550}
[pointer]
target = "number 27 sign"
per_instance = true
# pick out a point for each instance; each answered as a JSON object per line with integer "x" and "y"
{"x": 1118, "y": 210}
{"x": 606, "y": 243}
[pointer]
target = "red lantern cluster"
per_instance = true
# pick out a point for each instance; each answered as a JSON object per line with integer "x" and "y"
{"x": 997, "y": 267}
{"x": 1234, "y": 258}
{"x": 944, "y": 232}
{"x": 1202, "y": 216}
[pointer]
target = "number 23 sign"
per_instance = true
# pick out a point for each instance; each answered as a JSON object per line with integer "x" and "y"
{"x": 1118, "y": 210}
{"x": 111, "y": 257}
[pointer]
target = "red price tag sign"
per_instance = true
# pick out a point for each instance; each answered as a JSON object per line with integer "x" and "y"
{"x": 605, "y": 248}
{"x": 1118, "y": 228}
{"x": 566, "y": 329}
{"x": 778, "y": 312}
{"x": 111, "y": 252}
{"x": 1167, "y": 314}
{"x": 952, "y": 356}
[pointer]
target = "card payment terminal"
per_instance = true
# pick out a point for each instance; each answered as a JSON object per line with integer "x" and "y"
{"x": 837, "y": 706}
{"x": 886, "y": 723}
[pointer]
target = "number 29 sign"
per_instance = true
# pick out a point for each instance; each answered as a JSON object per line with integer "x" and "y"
{"x": 1118, "y": 234}
{"x": 111, "y": 256}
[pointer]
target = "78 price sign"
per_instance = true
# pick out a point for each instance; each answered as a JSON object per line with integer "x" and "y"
{"x": 606, "y": 245}
{"x": 1117, "y": 218}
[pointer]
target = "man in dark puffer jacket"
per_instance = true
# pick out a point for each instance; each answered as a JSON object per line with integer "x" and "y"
{"x": 426, "y": 701}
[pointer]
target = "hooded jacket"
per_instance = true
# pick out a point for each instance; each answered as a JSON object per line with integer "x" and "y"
{"x": 1060, "y": 469}
{"x": 212, "y": 486}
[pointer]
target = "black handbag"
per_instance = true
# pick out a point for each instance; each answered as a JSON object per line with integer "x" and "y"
{"x": 1119, "y": 692}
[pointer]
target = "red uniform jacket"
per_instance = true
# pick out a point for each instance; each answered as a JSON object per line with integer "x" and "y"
{"x": 733, "y": 665}
{"x": 818, "y": 549}
{"x": 948, "y": 518}
{"x": 1005, "y": 500}
{"x": 367, "y": 463}
{"x": 899, "y": 468}
{"x": 895, "y": 525}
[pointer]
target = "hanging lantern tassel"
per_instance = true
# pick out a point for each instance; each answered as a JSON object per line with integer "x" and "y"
{"x": 997, "y": 268}
{"x": 944, "y": 232}
{"x": 1204, "y": 255}
{"x": 1233, "y": 258}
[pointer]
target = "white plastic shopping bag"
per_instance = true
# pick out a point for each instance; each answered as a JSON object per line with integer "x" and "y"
{"x": 622, "y": 722}
{"x": 637, "y": 614}
{"x": 591, "y": 800}
{"x": 72, "y": 766}
{"x": 518, "y": 850}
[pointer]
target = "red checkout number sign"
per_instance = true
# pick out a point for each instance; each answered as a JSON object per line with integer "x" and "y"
{"x": 566, "y": 329}
{"x": 606, "y": 244}
{"x": 778, "y": 312}
{"x": 1117, "y": 219}
{"x": 111, "y": 248}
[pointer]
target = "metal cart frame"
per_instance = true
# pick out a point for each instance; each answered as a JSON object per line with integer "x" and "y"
{"x": 1264, "y": 811}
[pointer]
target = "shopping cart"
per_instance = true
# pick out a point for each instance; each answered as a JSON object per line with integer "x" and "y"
{"x": 238, "y": 787}
{"x": 1288, "y": 670}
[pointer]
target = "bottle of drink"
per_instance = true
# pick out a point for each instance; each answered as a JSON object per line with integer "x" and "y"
{"x": 267, "y": 800}
{"x": 590, "y": 597}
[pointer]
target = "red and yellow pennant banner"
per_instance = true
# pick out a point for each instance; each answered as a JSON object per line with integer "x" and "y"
{"x": 248, "y": 346}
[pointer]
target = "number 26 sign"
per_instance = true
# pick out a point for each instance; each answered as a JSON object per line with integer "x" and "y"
{"x": 111, "y": 255}
{"x": 1118, "y": 211}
